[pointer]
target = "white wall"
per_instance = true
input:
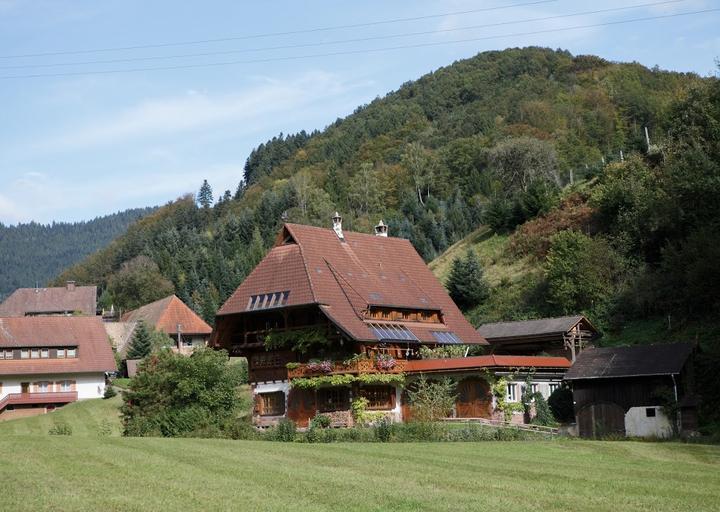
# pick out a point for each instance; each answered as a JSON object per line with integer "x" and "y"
{"x": 87, "y": 385}
{"x": 638, "y": 424}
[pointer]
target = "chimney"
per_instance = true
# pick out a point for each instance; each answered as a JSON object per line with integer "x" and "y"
{"x": 71, "y": 286}
{"x": 381, "y": 229}
{"x": 337, "y": 226}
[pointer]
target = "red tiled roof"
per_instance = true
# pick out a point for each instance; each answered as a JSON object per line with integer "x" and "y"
{"x": 28, "y": 301}
{"x": 85, "y": 332}
{"x": 467, "y": 363}
{"x": 165, "y": 315}
{"x": 346, "y": 277}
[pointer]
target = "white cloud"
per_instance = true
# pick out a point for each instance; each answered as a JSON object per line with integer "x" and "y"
{"x": 196, "y": 110}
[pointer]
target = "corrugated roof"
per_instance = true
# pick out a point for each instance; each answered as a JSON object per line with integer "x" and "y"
{"x": 522, "y": 328}
{"x": 636, "y": 361}
{"x": 165, "y": 315}
{"x": 346, "y": 277}
{"x": 86, "y": 333}
{"x": 29, "y": 301}
{"x": 469, "y": 363}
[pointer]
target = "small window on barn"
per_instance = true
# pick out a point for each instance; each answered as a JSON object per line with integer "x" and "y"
{"x": 553, "y": 386}
{"x": 34, "y": 353}
{"x": 44, "y": 353}
{"x": 650, "y": 412}
{"x": 511, "y": 393}
{"x": 24, "y": 353}
{"x": 272, "y": 404}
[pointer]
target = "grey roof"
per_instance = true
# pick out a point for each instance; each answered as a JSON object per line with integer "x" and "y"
{"x": 636, "y": 361}
{"x": 542, "y": 326}
{"x": 37, "y": 301}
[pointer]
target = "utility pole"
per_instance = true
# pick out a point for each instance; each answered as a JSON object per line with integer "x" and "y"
{"x": 622, "y": 158}
{"x": 647, "y": 138}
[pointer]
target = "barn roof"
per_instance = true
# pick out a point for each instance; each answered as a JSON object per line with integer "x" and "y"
{"x": 165, "y": 315}
{"x": 88, "y": 334}
{"x": 532, "y": 328}
{"x": 345, "y": 277}
{"x": 636, "y": 361}
{"x": 36, "y": 301}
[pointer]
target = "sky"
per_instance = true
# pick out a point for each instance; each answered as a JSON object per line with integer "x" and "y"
{"x": 79, "y": 139}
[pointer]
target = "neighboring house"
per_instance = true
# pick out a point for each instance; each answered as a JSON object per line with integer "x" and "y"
{"x": 629, "y": 390}
{"x": 173, "y": 317}
{"x": 49, "y": 361}
{"x": 326, "y": 302}
{"x": 67, "y": 300}
{"x": 564, "y": 336}
{"x": 120, "y": 334}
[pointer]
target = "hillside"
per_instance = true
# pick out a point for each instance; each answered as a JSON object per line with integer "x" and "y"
{"x": 34, "y": 253}
{"x": 434, "y": 159}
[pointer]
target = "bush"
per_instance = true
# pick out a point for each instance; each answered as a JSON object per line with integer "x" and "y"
{"x": 284, "y": 431}
{"x": 109, "y": 391}
{"x": 383, "y": 430}
{"x": 105, "y": 429}
{"x": 60, "y": 429}
{"x": 431, "y": 400}
{"x": 543, "y": 414}
{"x": 320, "y": 421}
{"x": 561, "y": 405}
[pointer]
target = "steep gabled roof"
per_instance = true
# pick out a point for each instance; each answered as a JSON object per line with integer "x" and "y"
{"x": 345, "y": 277}
{"x": 499, "y": 331}
{"x": 636, "y": 361}
{"x": 94, "y": 353}
{"x": 165, "y": 315}
{"x": 65, "y": 299}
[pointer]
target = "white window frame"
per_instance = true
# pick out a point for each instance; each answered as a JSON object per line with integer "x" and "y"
{"x": 44, "y": 353}
{"x": 61, "y": 353}
{"x": 534, "y": 387}
{"x": 65, "y": 386}
{"x": 511, "y": 392}
{"x": 24, "y": 353}
{"x": 34, "y": 353}
{"x": 552, "y": 386}
{"x": 9, "y": 354}
{"x": 71, "y": 353}
{"x": 43, "y": 386}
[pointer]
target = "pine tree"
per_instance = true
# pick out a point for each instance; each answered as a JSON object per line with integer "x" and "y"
{"x": 467, "y": 285}
{"x": 205, "y": 196}
{"x": 141, "y": 344}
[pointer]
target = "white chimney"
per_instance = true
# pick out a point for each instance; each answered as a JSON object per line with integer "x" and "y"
{"x": 381, "y": 229}
{"x": 337, "y": 226}
{"x": 71, "y": 286}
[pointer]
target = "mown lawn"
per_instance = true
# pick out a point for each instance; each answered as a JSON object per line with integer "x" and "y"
{"x": 124, "y": 474}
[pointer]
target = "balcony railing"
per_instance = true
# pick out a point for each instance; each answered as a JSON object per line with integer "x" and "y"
{"x": 60, "y": 397}
{"x": 353, "y": 368}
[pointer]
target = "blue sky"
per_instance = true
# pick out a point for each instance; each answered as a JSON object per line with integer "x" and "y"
{"x": 77, "y": 146}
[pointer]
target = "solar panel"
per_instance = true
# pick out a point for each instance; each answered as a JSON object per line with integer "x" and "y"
{"x": 392, "y": 332}
{"x": 446, "y": 337}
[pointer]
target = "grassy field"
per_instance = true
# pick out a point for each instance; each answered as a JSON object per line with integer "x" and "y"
{"x": 120, "y": 474}
{"x": 86, "y": 418}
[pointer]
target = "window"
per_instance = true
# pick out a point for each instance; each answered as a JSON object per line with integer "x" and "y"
{"x": 272, "y": 404}
{"x": 61, "y": 353}
{"x": 34, "y": 353}
{"x": 650, "y": 412}
{"x": 71, "y": 352}
{"x": 333, "y": 399}
{"x": 66, "y": 385}
{"x": 533, "y": 388}
{"x": 446, "y": 337}
{"x": 44, "y": 353}
{"x": 24, "y": 353}
{"x": 378, "y": 397}
{"x": 187, "y": 342}
{"x": 553, "y": 386}
{"x": 511, "y": 393}
{"x": 43, "y": 386}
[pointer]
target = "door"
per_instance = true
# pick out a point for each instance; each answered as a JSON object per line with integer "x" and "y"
{"x": 25, "y": 387}
{"x": 599, "y": 420}
{"x": 301, "y": 406}
{"x": 473, "y": 398}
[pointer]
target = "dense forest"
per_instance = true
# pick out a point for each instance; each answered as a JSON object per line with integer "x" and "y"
{"x": 35, "y": 253}
{"x": 548, "y": 147}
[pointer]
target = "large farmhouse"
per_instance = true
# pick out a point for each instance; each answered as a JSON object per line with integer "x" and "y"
{"x": 329, "y": 315}
{"x": 63, "y": 300}
{"x": 50, "y": 361}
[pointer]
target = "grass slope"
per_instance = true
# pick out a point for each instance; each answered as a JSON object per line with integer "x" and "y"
{"x": 127, "y": 474}
{"x": 84, "y": 417}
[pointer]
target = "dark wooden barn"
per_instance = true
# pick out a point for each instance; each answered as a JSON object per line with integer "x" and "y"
{"x": 640, "y": 391}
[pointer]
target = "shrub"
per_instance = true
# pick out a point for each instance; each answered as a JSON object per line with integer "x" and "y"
{"x": 109, "y": 391}
{"x": 466, "y": 284}
{"x": 561, "y": 405}
{"x": 543, "y": 414}
{"x": 284, "y": 431}
{"x": 60, "y": 428}
{"x": 431, "y": 400}
{"x": 383, "y": 430}
{"x": 105, "y": 429}
{"x": 240, "y": 429}
{"x": 320, "y": 421}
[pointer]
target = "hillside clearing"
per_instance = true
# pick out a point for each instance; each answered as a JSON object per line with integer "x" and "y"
{"x": 71, "y": 473}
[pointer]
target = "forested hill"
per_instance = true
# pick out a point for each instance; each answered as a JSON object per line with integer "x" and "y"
{"x": 525, "y": 141}
{"x": 35, "y": 253}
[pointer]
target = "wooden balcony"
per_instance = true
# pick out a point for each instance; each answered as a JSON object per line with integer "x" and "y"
{"x": 340, "y": 368}
{"x": 60, "y": 397}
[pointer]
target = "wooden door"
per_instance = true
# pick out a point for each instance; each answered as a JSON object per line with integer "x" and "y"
{"x": 474, "y": 399}
{"x": 301, "y": 406}
{"x": 599, "y": 420}
{"x": 25, "y": 387}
